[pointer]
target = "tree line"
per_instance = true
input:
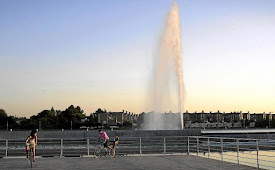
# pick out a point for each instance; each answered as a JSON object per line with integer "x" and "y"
{"x": 50, "y": 119}
{"x": 71, "y": 118}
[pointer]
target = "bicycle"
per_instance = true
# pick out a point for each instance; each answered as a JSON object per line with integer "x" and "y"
{"x": 30, "y": 155}
{"x": 110, "y": 151}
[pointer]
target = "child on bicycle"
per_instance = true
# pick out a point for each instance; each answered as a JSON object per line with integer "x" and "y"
{"x": 31, "y": 141}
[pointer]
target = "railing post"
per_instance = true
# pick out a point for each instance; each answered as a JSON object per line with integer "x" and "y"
{"x": 7, "y": 148}
{"x": 140, "y": 151}
{"x": 208, "y": 141}
{"x": 88, "y": 147}
{"x": 164, "y": 146}
{"x": 221, "y": 149}
{"x": 238, "y": 149}
{"x": 257, "y": 147}
{"x": 197, "y": 146}
{"x": 188, "y": 148}
{"x": 61, "y": 148}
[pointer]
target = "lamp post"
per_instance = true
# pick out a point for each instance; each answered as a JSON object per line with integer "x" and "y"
{"x": 39, "y": 125}
{"x": 71, "y": 125}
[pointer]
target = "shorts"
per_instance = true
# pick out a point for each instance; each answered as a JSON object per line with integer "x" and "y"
{"x": 31, "y": 145}
{"x": 106, "y": 144}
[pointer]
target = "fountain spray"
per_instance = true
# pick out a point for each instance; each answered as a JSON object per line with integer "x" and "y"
{"x": 169, "y": 53}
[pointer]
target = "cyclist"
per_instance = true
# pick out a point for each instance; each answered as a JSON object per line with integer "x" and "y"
{"x": 104, "y": 137}
{"x": 31, "y": 141}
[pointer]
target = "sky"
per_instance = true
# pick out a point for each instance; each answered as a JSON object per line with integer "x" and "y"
{"x": 99, "y": 54}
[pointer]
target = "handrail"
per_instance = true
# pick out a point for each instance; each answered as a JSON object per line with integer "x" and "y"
{"x": 213, "y": 137}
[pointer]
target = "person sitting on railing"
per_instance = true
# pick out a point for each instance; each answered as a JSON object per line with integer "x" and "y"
{"x": 31, "y": 141}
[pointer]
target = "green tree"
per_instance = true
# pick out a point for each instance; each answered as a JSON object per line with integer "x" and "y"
{"x": 24, "y": 123}
{"x": 12, "y": 122}
{"x": 99, "y": 110}
{"x": 3, "y": 119}
{"x": 74, "y": 114}
{"x": 48, "y": 119}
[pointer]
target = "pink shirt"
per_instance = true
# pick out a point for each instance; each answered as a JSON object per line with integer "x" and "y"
{"x": 103, "y": 136}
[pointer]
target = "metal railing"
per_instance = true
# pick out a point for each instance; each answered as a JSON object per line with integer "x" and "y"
{"x": 259, "y": 153}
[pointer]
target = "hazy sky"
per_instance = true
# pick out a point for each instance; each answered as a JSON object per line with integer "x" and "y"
{"x": 95, "y": 53}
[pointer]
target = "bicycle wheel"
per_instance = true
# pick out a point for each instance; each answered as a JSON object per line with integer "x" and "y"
{"x": 97, "y": 152}
{"x": 112, "y": 152}
{"x": 30, "y": 158}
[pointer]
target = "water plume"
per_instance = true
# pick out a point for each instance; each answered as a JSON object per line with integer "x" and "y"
{"x": 168, "y": 70}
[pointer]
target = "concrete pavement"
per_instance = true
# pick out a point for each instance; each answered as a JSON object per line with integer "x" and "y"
{"x": 120, "y": 163}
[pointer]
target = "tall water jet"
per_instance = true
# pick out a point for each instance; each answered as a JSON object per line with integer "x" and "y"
{"x": 168, "y": 64}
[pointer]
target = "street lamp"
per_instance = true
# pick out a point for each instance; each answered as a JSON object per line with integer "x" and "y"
{"x": 71, "y": 125}
{"x": 39, "y": 125}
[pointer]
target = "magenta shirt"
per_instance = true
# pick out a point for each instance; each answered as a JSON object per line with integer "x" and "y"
{"x": 103, "y": 136}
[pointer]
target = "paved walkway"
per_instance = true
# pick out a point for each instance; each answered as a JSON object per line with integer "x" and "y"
{"x": 121, "y": 163}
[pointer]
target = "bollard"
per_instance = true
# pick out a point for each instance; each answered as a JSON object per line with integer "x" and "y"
{"x": 61, "y": 148}
{"x": 6, "y": 148}
{"x": 238, "y": 157}
{"x": 221, "y": 149}
{"x": 164, "y": 146}
{"x": 88, "y": 147}
{"x": 188, "y": 149}
{"x": 140, "y": 151}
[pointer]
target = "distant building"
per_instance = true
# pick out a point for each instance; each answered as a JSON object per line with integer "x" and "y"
{"x": 191, "y": 120}
{"x": 268, "y": 116}
{"x": 224, "y": 120}
{"x": 257, "y": 117}
{"x": 233, "y": 117}
{"x": 246, "y": 116}
{"x": 116, "y": 118}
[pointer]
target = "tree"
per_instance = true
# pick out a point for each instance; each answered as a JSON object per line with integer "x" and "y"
{"x": 3, "y": 119}
{"x": 74, "y": 114}
{"x": 3, "y": 114}
{"x": 48, "y": 119}
{"x": 99, "y": 110}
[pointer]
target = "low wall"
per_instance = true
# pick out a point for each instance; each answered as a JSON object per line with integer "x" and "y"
{"x": 250, "y": 136}
{"x": 81, "y": 134}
